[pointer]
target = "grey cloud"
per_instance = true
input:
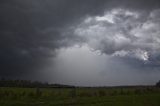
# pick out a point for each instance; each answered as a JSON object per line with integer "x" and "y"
{"x": 32, "y": 30}
{"x": 127, "y": 33}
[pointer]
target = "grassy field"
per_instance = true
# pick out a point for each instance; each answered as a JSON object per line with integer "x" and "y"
{"x": 139, "y": 96}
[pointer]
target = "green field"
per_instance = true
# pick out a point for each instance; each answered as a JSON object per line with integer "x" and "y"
{"x": 139, "y": 96}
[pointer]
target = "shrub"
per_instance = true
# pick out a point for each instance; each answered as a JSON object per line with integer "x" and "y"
{"x": 38, "y": 92}
{"x": 138, "y": 91}
{"x": 73, "y": 93}
{"x": 158, "y": 84}
{"x": 102, "y": 93}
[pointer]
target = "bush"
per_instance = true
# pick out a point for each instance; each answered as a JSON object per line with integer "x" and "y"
{"x": 31, "y": 94}
{"x": 138, "y": 91}
{"x": 73, "y": 93}
{"x": 102, "y": 93}
{"x": 38, "y": 92}
{"x": 158, "y": 84}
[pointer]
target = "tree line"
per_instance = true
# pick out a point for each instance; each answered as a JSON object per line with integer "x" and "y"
{"x": 30, "y": 84}
{"x": 37, "y": 84}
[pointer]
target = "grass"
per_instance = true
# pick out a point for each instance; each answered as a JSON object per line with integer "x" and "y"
{"x": 143, "y": 96}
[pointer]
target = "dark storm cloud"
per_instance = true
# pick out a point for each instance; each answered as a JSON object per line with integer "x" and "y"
{"x": 31, "y": 30}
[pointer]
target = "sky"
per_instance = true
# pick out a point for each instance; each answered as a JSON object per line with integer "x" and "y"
{"x": 81, "y": 42}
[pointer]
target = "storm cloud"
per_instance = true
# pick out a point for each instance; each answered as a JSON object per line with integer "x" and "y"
{"x": 34, "y": 34}
{"x": 123, "y": 33}
{"x": 32, "y": 30}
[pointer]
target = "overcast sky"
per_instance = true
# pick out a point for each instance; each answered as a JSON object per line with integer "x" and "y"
{"x": 81, "y": 42}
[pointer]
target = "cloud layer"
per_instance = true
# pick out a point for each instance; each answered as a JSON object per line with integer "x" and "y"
{"x": 32, "y": 32}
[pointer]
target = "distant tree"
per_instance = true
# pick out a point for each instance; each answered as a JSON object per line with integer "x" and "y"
{"x": 158, "y": 84}
{"x": 30, "y": 84}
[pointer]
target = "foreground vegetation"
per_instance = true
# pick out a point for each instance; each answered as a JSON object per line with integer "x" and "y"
{"x": 118, "y": 96}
